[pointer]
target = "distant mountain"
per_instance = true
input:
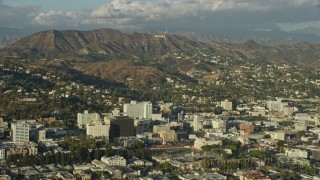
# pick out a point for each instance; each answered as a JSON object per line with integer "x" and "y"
{"x": 8, "y": 39}
{"x": 103, "y": 43}
{"x": 302, "y": 54}
{"x": 273, "y": 38}
{"x": 49, "y": 44}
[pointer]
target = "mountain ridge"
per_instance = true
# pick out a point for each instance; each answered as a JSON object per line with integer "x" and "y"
{"x": 104, "y": 43}
{"x": 52, "y": 43}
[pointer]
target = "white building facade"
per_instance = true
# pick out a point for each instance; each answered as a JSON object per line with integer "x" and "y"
{"x": 138, "y": 110}
{"x": 85, "y": 118}
{"x": 276, "y": 106}
{"x": 2, "y": 154}
{"x": 296, "y": 153}
{"x": 20, "y": 133}
{"x": 114, "y": 160}
{"x": 98, "y": 129}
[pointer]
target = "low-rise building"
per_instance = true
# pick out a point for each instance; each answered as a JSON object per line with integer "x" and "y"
{"x": 227, "y": 105}
{"x": 114, "y": 160}
{"x": 158, "y": 128}
{"x": 296, "y": 153}
{"x": 168, "y": 135}
{"x": 83, "y": 166}
{"x": 253, "y": 175}
{"x": 99, "y": 164}
{"x": 199, "y": 142}
{"x": 214, "y": 175}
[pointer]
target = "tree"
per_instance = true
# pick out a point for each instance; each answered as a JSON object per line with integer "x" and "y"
{"x": 310, "y": 170}
{"x": 165, "y": 166}
{"x": 258, "y": 154}
{"x": 206, "y": 148}
{"x": 218, "y": 110}
{"x": 286, "y": 174}
{"x": 206, "y": 163}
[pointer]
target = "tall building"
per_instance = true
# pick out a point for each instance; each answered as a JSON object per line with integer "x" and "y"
{"x": 197, "y": 123}
{"x": 2, "y": 154}
{"x": 227, "y": 105}
{"x": 116, "y": 112}
{"x": 122, "y": 126}
{"x": 41, "y": 135}
{"x": 138, "y": 110}
{"x": 20, "y": 132}
{"x": 98, "y": 129}
{"x": 85, "y": 118}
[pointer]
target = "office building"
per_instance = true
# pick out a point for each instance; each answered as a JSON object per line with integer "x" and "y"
{"x": 138, "y": 110}
{"x": 20, "y": 132}
{"x": 85, "y": 118}
{"x": 2, "y": 154}
{"x": 122, "y": 126}
{"x": 41, "y": 135}
{"x": 98, "y": 129}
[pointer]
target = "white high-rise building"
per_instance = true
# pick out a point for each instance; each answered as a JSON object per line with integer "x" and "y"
{"x": 138, "y": 110}
{"x": 20, "y": 132}
{"x": 2, "y": 154}
{"x": 85, "y": 118}
{"x": 97, "y": 129}
{"x": 197, "y": 123}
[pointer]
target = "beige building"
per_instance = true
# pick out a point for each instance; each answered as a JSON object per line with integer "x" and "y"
{"x": 114, "y": 160}
{"x": 85, "y": 118}
{"x": 227, "y": 105}
{"x": 98, "y": 129}
{"x": 219, "y": 124}
{"x": 168, "y": 135}
{"x": 159, "y": 128}
{"x": 278, "y": 136}
{"x": 199, "y": 142}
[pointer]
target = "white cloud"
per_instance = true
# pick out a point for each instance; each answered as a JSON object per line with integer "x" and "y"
{"x": 59, "y": 18}
{"x": 179, "y": 15}
{"x": 145, "y": 11}
{"x": 309, "y": 26}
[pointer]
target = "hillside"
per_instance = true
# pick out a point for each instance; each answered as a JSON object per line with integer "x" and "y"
{"x": 7, "y": 40}
{"x": 53, "y": 44}
{"x": 122, "y": 71}
{"x": 153, "y": 49}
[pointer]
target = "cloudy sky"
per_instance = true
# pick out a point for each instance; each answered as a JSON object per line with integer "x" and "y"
{"x": 154, "y": 15}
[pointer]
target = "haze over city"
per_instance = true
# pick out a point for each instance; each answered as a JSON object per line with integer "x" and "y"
{"x": 160, "y": 89}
